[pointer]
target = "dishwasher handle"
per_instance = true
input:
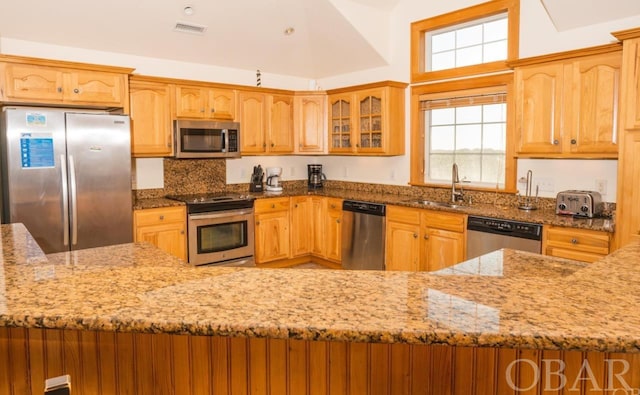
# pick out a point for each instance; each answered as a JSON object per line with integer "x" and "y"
{"x": 524, "y": 230}
{"x": 364, "y": 207}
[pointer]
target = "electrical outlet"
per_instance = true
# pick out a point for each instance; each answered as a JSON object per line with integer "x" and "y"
{"x": 601, "y": 186}
{"x": 544, "y": 185}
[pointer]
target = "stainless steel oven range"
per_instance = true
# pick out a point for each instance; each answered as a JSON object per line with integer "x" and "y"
{"x": 220, "y": 229}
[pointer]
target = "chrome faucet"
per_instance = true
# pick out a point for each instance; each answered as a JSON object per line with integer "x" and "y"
{"x": 456, "y": 195}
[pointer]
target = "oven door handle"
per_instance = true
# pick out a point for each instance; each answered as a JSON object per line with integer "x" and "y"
{"x": 220, "y": 214}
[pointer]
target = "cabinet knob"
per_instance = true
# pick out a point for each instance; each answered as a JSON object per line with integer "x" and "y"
{"x": 556, "y": 142}
{"x": 76, "y": 90}
{"x": 272, "y": 145}
{"x": 574, "y": 241}
{"x": 264, "y": 145}
{"x": 182, "y": 232}
{"x": 273, "y": 206}
{"x": 573, "y": 141}
{"x": 426, "y": 237}
{"x": 415, "y": 235}
{"x": 338, "y": 221}
{"x": 161, "y": 217}
{"x": 357, "y": 145}
{"x": 213, "y": 110}
{"x": 202, "y": 110}
{"x": 59, "y": 89}
{"x": 333, "y": 206}
{"x": 257, "y": 222}
{"x": 296, "y": 205}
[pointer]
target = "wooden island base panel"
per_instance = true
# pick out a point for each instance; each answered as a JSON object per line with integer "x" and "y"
{"x": 131, "y": 319}
{"x": 116, "y": 363}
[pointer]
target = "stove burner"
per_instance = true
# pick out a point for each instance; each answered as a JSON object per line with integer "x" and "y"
{"x": 204, "y": 202}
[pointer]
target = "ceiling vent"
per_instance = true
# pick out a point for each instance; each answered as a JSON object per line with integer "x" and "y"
{"x": 189, "y": 28}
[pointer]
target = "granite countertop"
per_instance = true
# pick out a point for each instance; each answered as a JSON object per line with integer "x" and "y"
{"x": 541, "y": 216}
{"x": 503, "y": 299}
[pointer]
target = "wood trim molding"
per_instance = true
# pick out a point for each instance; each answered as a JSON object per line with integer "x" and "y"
{"x": 63, "y": 64}
{"x": 567, "y": 55}
{"x": 350, "y": 89}
{"x": 627, "y": 34}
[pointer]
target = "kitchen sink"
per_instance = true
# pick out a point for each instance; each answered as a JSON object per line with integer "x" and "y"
{"x": 434, "y": 203}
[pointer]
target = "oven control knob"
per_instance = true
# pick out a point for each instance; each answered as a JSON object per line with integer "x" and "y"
{"x": 562, "y": 206}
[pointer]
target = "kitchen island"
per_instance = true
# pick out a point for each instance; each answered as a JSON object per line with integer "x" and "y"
{"x": 129, "y": 319}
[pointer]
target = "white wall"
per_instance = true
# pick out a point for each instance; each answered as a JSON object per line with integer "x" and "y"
{"x": 538, "y": 36}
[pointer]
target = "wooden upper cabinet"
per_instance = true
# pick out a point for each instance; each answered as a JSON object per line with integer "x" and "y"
{"x": 569, "y": 107}
{"x": 94, "y": 87}
{"x": 280, "y": 132}
{"x": 341, "y": 123}
{"x": 40, "y": 81}
{"x": 368, "y": 119}
{"x": 538, "y": 108}
{"x": 151, "y": 126}
{"x": 203, "y": 102}
{"x": 24, "y": 82}
{"x": 310, "y": 125}
{"x": 253, "y": 122}
{"x": 595, "y": 86}
{"x": 266, "y": 123}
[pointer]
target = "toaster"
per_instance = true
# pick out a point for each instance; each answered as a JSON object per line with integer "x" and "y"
{"x": 586, "y": 204}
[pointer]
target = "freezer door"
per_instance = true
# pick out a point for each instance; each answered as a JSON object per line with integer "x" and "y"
{"x": 33, "y": 151}
{"x": 99, "y": 163}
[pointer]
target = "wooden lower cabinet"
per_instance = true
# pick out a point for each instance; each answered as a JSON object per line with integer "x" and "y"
{"x": 333, "y": 230}
{"x": 120, "y": 363}
{"x": 272, "y": 227}
{"x": 423, "y": 239}
{"x": 578, "y": 244}
{"x": 302, "y": 220}
{"x": 163, "y": 227}
{"x": 311, "y": 225}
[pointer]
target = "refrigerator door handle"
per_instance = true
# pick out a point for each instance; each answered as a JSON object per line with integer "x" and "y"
{"x": 65, "y": 200}
{"x": 74, "y": 201}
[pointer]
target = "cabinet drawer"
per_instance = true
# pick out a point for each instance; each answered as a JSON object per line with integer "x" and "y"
{"x": 403, "y": 214}
{"x": 271, "y": 205}
{"x": 154, "y": 216}
{"x": 588, "y": 241}
{"x": 444, "y": 221}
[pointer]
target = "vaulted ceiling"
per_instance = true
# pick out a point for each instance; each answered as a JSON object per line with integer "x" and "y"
{"x": 246, "y": 34}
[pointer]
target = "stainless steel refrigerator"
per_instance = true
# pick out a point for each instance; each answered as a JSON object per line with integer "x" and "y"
{"x": 66, "y": 175}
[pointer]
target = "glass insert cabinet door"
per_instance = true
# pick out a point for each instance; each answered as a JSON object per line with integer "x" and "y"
{"x": 370, "y": 123}
{"x": 341, "y": 124}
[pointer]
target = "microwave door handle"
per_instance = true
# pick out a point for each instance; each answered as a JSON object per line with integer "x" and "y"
{"x": 225, "y": 140}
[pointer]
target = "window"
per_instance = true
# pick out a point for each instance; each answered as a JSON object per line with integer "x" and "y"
{"x": 472, "y": 41}
{"x": 480, "y": 42}
{"x": 469, "y": 131}
{"x": 465, "y": 122}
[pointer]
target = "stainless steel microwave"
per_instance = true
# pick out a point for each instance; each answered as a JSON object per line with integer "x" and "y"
{"x": 206, "y": 139}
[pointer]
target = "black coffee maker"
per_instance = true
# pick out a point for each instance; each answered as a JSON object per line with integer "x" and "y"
{"x": 316, "y": 176}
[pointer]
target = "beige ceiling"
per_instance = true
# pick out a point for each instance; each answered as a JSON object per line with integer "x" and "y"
{"x": 243, "y": 34}
{"x": 332, "y": 37}
{"x": 570, "y": 14}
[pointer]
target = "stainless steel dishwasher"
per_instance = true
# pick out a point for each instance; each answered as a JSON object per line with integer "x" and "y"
{"x": 485, "y": 235}
{"x": 363, "y": 226}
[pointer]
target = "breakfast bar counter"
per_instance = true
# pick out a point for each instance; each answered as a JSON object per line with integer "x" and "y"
{"x": 132, "y": 298}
